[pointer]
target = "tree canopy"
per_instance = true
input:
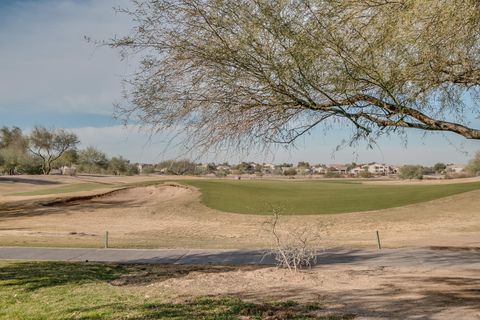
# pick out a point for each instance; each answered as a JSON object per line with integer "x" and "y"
{"x": 13, "y": 150}
{"x": 50, "y": 144}
{"x": 473, "y": 167}
{"x": 260, "y": 71}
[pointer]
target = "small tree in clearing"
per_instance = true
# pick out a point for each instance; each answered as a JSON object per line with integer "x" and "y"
{"x": 50, "y": 144}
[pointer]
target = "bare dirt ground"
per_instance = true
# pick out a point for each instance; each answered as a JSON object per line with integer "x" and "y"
{"x": 368, "y": 292}
{"x": 173, "y": 217}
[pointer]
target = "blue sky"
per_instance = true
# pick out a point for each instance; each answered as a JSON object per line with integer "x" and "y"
{"x": 49, "y": 75}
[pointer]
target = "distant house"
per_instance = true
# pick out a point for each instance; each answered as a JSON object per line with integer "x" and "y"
{"x": 378, "y": 169}
{"x": 394, "y": 169}
{"x": 355, "y": 171}
{"x": 222, "y": 167}
{"x": 455, "y": 168}
{"x": 319, "y": 169}
{"x": 268, "y": 168}
{"x": 375, "y": 169}
{"x": 338, "y": 168}
{"x": 68, "y": 171}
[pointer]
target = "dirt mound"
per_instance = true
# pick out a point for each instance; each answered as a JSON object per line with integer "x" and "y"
{"x": 143, "y": 195}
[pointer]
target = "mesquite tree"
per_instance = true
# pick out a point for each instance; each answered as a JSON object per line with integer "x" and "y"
{"x": 260, "y": 71}
{"x": 49, "y": 145}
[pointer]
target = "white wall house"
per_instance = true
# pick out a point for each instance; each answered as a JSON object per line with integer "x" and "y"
{"x": 68, "y": 171}
{"x": 319, "y": 170}
{"x": 378, "y": 169}
{"x": 375, "y": 168}
{"x": 455, "y": 168}
{"x": 338, "y": 168}
{"x": 357, "y": 170}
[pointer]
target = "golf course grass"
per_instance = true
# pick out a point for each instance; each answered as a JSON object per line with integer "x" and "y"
{"x": 316, "y": 197}
{"x": 58, "y": 290}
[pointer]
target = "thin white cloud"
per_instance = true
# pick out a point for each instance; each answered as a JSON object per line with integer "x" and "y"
{"x": 47, "y": 66}
{"x": 128, "y": 141}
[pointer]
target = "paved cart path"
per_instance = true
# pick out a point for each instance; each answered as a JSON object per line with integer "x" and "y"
{"x": 386, "y": 257}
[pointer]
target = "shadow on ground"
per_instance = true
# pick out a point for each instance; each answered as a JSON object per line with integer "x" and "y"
{"x": 11, "y": 179}
{"x": 33, "y": 208}
{"x": 409, "y": 297}
{"x": 219, "y": 308}
{"x": 32, "y": 276}
{"x": 418, "y": 300}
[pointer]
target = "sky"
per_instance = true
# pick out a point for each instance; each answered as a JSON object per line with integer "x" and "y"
{"x": 51, "y": 76}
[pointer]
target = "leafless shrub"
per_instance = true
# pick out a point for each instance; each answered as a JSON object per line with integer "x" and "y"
{"x": 296, "y": 249}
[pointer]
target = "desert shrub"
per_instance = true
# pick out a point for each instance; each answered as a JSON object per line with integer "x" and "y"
{"x": 178, "y": 167}
{"x": 290, "y": 172}
{"x": 365, "y": 174}
{"x": 411, "y": 172}
{"x": 296, "y": 249}
{"x": 473, "y": 167}
{"x": 221, "y": 173}
{"x": 439, "y": 167}
{"x": 457, "y": 175}
{"x": 331, "y": 174}
{"x": 148, "y": 169}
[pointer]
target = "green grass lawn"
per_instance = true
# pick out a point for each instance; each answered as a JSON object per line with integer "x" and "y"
{"x": 316, "y": 197}
{"x": 57, "y": 290}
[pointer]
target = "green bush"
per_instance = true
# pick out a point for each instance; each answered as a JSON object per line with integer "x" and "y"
{"x": 331, "y": 174}
{"x": 365, "y": 174}
{"x": 290, "y": 172}
{"x": 473, "y": 167}
{"x": 411, "y": 172}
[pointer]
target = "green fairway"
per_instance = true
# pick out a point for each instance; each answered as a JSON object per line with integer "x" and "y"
{"x": 57, "y": 290}
{"x": 316, "y": 197}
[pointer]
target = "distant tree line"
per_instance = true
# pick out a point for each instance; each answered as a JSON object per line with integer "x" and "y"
{"x": 45, "y": 149}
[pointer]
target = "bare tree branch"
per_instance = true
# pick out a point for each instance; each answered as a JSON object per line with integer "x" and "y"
{"x": 243, "y": 73}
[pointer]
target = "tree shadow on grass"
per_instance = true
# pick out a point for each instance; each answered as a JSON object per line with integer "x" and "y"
{"x": 221, "y": 308}
{"x": 456, "y": 297}
{"x": 31, "y": 276}
{"x": 10, "y": 179}
{"x": 146, "y": 274}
